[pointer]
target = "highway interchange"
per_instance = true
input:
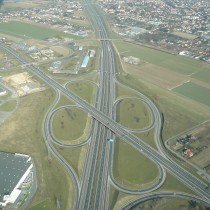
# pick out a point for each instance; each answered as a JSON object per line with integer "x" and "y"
{"x": 91, "y": 190}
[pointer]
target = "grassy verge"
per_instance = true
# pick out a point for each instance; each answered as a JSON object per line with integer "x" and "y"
{"x": 131, "y": 168}
{"x": 44, "y": 205}
{"x": 64, "y": 101}
{"x": 74, "y": 156}
{"x": 22, "y": 133}
{"x": 172, "y": 184}
{"x": 122, "y": 91}
{"x": 148, "y": 137}
{"x": 113, "y": 196}
{"x": 8, "y": 106}
{"x": 85, "y": 90}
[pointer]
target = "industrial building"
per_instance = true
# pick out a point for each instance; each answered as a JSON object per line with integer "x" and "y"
{"x": 16, "y": 170}
{"x": 92, "y": 53}
{"x": 85, "y": 61}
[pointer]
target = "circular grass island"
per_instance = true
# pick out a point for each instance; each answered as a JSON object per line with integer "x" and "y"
{"x": 70, "y": 124}
{"x": 133, "y": 114}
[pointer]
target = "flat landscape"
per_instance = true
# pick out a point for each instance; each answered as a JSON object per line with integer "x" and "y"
{"x": 195, "y": 92}
{"x": 133, "y": 114}
{"x": 26, "y": 30}
{"x": 26, "y": 138}
{"x": 65, "y": 124}
{"x": 158, "y": 77}
{"x": 176, "y": 63}
{"x": 203, "y": 75}
{"x": 84, "y": 89}
{"x": 126, "y": 161}
{"x": 11, "y": 4}
{"x": 97, "y": 132}
{"x": 200, "y": 146}
{"x": 8, "y": 106}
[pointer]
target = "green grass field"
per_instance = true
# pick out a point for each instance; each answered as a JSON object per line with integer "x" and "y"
{"x": 85, "y": 90}
{"x": 173, "y": 184}
{"x": 195, "y": 92}
{"x": 10, "y": 5}
{"x": 133, "y": 114}
{"x": 203, "y": 75}
{"x": 131, "y": 168}
{"x": 74, "y": 156}
{"x": 180, "y": 64}
{"x": 123, "y": 91}
{"x": 41, "y": 206}
{"x": 8, "y": 106}
{"x": 22, "y": 133}
{"x": 65, "y": 124}
{"x": 19, "y": 5}
{"x": 148, "y": 137}
{"x": 16, "y": 28}
{"x": 171, "y": 104}
{"x": 64, "y": 101}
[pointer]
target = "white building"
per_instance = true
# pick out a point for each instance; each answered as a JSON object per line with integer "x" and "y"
{"x": 15, "y": 169}
{"x": 2, "y": 92}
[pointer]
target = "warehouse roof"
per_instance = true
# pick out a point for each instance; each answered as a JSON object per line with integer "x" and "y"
{"x": 13, "y": 167}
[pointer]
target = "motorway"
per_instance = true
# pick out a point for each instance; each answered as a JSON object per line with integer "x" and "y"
{"x": 92, "y": 188}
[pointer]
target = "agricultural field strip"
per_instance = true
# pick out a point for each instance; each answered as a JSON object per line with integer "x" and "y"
{"x": 186, "y": 65}
{"x": 27, "y": 30}
{"x": 197, "y": 96}
{"x": 195, "y": 92}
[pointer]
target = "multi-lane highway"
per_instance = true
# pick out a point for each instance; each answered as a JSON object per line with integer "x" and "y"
{"x": 91, "y": 190}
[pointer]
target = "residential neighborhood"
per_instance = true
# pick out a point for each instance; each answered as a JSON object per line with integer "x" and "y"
{"x": 59, "y": 16}
{"x": 182, "y": 27}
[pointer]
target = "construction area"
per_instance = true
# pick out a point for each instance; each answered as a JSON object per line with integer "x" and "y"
{"x": 23, "y": 83}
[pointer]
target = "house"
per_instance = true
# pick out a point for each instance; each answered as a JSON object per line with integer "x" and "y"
{"x": 188, "y": 152}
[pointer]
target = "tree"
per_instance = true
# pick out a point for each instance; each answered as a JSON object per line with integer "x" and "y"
{"x": 192, "y": 204}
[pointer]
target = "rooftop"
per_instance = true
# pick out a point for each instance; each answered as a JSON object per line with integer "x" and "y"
{"x": 13, "y": 167}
